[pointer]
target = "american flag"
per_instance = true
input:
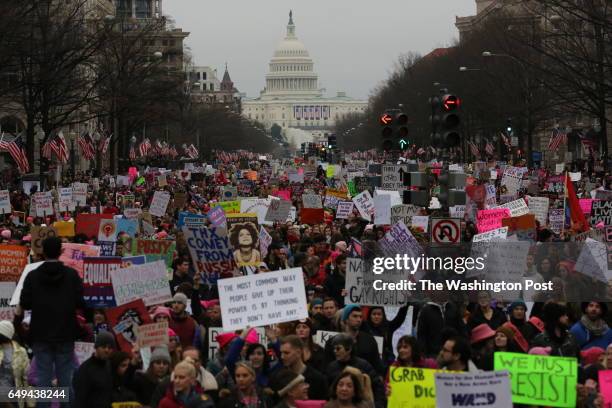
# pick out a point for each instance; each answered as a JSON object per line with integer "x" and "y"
{"x": 15, "y": 147}
{"x": 173, "y": 152}
{"x": 157, "y": 147}
{"x": 420, "y": 151}
{"x": 506, "y": 141}
{"x": 57, "y": 145}
{"x": 557, "y": 138}
{"x": 104, "y": 143}
{"x": 192, "y": 152}
{"x": 489, "y": 148}
{"x": 87, "y": 145}
{"x": 144, "y": 147}
{"x": 132, "y": 153}
{"x": 474, "y": 149}
{"x": 165, "y": 150}
{"x": 356, "y": 249}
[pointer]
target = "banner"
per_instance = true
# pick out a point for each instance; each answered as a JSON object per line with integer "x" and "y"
{"x": 89, "y": 224}
{"x": 152, "y": 335}
{"x": 79, "y": 194}
{"x": 345, "y": 208}
{"x": 147, "y": 282}
{"x": 262, "y": 299}
{"x": 97, "y": 286}
{"x": 487, "y": 220}
{"x": 483, "y": 389}
{"x": 155, "y": 250}
{"x": 211, "y": 253}
{"x": 73, "y": 254}
{"x": 365, "y": 205}
{"x": 540, "y": 380}
{"x": 159, "y": 204}
{"x": 13, "y": 258}
{"x": 38, "y": 236}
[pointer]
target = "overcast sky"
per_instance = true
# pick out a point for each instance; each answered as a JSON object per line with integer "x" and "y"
{"x": 354, "y": 43}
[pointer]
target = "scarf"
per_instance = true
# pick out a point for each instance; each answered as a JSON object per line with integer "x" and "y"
{"x": 596, "y": 328}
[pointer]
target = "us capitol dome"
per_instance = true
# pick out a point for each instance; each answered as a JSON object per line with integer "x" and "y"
{"x": 292, "y": 98}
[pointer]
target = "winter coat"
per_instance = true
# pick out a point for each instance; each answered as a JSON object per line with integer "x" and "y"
{"x": 21, "y": 365}
{"x": 185, "y": 327}
{"x": 93, "y": 384}
{"x": 232, "y": 401}
{"x": 565, "y": 346}
{"x": 335, "y": 368}
{"x": 586, "y": 340}
{"x": 53, "y": 292}
{"x": 195, "y": 399}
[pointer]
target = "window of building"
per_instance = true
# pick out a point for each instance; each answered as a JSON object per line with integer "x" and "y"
{"x": 212, "y": 87}
{"x": 172, "y": 43}
{"x": 204, "y": 76}
{"x": 165, "y": 43}
{"x": 199, "y": 75}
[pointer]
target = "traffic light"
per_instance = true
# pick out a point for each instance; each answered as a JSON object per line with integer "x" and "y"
{"x": 303, "y": 148}
{"x": 418, "y": 197}
{"x": 509, "y": 129}
{"x": 445, "y": 120}
{"x": 386, "y": 121}
{"x": 401, "y": 124}
{"x": 452, "y": 189}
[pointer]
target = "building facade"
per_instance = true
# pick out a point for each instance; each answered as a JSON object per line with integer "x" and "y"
{"x": 207, "y": 89}
{"x": 292, "y": 98}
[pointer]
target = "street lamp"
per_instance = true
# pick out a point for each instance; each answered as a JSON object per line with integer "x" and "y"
{"x": 528, "y": 96}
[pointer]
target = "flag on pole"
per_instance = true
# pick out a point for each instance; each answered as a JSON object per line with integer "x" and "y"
{"x": 104, "y": 143}
{"x": 144, "y": 147}
{"x": 557, "y": 138}
{"x": 132, "y": 153}
{"x": 474, "y": 149}
{"x": 577, "y": 218}
{"x": 15, "y": 147}
{"x": 506, "y": 141}
{"x": 489, "y": 148}
{"x": 87, "y": 145}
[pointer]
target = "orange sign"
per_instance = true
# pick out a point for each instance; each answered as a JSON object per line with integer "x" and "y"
{"x": 13, "y": 258}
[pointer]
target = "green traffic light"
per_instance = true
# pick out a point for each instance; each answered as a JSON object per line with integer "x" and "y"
{"x": 403, "y": 144}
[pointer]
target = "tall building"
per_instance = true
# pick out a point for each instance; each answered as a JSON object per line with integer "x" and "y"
{"x": 207, "y": 89}
{"x": 292, "y": 98}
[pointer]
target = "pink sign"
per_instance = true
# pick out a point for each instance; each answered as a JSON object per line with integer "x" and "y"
{"x": 605, "y": 386}
{"x": 283, "y": 194}
{"x": 585, "y": 205}
{"x": 73, "y": 254}
{"x": 487, "y": 220}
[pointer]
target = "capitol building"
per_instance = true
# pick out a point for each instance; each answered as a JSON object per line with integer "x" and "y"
{"x": 292, "y": 98}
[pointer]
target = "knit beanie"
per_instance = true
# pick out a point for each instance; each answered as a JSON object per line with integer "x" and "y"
{"x": 516, "y": 303}
{"x": 506, "y": 330}
{"x": 105, "y": 338}
{"x": 180, "y": 298}
{"x": 348, "y": 309}
{"x": 591, "y": 355}
{"x": 161, "y": 354}
{"x": 7, "y": 329}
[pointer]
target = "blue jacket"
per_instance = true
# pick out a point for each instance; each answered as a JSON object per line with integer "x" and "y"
{"x": 585, "y": 340}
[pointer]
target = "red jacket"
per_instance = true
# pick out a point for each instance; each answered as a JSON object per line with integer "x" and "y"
{"x": 196, "y": 400}
{"x": 185, "y": 328}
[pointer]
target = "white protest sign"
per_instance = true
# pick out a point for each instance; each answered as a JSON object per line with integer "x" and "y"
{"x": 498, "y": 233}
{"x": 593, "y": 260}
{"x": 516, "y": 207}
{"x": 152, "y": 334}
{"x": 404, "y": 330}
{"x": 345, "y": 208}
{"x": 262, "y": 299}
{"x": 392, "y": 177}
{"x": 359, "y": 289}
{"x": 258, "y": 206}
{"x": 160, "y": 203}
{"x": 83, "y": 350}
{"x": 278, "y": 210}
{"x": 512, "y": 178}
{"x": 457, "y": 211}
{"x": 365, "y": 205}
{"x": 312, "y": 201}
{"x": 123, "y": 181}
{"x": 559, "y": 167}
{"x": 44, "y": 203}
{"x": 7, "y": 312}
{"x": 295, "y": 177}
{"x": 490, "y": 200}
{"x": 5, "y": 202}
{"x": 395, "y": 196}
{"x": 455, "y": 168}
{"x": 26, "y": 270}
{"x": 79, "y": 194}
{"x": 148, "y": 282}
{"x": 403, "y": 213}
{"x": 382, "y": 209}
{"x": 132, "y": 213}
{"x": 265, "y": 239}
{"x": 482, "y": 389}
{"x": 421, "y": 221}
{"x": 65, "y": 199}
{"x": 538, "y": 206}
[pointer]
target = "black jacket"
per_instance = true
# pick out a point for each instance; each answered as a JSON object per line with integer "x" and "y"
{"x": 365, "y": 347}
{"x": 93, "y": 384}
{"x": 318, "y": 387}
{"x": 53, "y": 292}
{"x": 232, "y": 401}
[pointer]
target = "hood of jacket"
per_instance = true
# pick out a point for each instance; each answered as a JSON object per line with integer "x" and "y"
{"x": 52, "y": 272}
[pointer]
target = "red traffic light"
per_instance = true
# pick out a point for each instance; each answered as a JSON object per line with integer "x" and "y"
{"x": 385, "y": 119}
{"x": 450, "y": 102}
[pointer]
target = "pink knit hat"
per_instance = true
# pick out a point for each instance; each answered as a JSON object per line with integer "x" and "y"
{"x": 161, "y": 310}
{"x": 481, "y": 332}
{"x": 541, "y": 351}
{"x": 225, "y": 338}
{"x": 172, "y": 333}
{"x": 591, "y": 355}
{"x": 252, "y": 337}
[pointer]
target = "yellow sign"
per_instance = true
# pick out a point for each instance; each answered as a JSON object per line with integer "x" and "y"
{"x": 126, "y": 405}
{"x": 336, "y": 193}
{"x": 230, "y": 207}
{"x": 64, "y": 228}
{"x": 412, "y": 387}
{"x": 330, "y": 170}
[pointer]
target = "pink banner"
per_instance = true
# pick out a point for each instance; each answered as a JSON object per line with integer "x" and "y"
{"x": 605, "y": 386}
{"x": 73, "y": 254}
{"x": 585, "y": 205}
{"x": 488, "y": 220}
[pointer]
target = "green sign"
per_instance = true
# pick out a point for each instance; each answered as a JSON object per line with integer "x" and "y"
{"x": 540, "y": 380}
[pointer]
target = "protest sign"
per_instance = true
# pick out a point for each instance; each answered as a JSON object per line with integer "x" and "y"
{"x": 593, "y": 260}
{"x": 216, "y": 217}
{"x": 128, "y": 261}
{"x": 487, "y": 220}
{"x": 365, "y": 205}
{"x": 89, "y": 224}
{"x": 457, "y": 211}
{"x": 258, "y": 206}
{"x": 512, "y": 178}
{"x": 159, "y": 205}
{"x": 498, "y": 233}
{"x": 39, "y": 234}
{"x": 107, "y": 231}
{"x": 5, "y": 202}
{"x": 516, "y": 207}
{"x": 132, "y": 213}
{"x": 265, "y": 239}
{"x": 152, "y": 334}
{"x": 601, "y": 211}
{"x": 333, "y": 197}
{"x": 524, "y": 226}
{"x": 399, "y": 240}
{"x": 64, "y": 228}
{"x": 229, "y": 207}
{"x": 130, "y": 227}
{"x": 605, "y": 386}
{"x": 586, "y": 205}
{"x": 278, "y": 211}
{"x": 73, "y": 254}
{"x": 359, "y": 286}
{"x": 97, "y": 286}
{"x": 124, "y": 321}
{"x": 262, "y": 299}
{"x": 412, "y": 387}
{"x": 538, "y": 206}
{"x": 484, "y": 389}
{"x": 44, "y": 204}
{"x": 312, "y": 201}
{"x": 147, "y": 282}
{"x": 83, "y": 350}
{"x": 161, "y": 180}
{"x": 540, "y": 380}
{"x": 7, "y": 312}
{"x": 155, "y": 250}
{"x": 403, "y": 213}
{"x": 554, "y": 184}
{"x": 79, "y": 194}
{"x": 243, "y": 233}
{"x": 311, "y": 215}
{"x": 345, "y": 208}
{"x": 211, "y": 253}
{"x": 420, "y": 221}
{"x": 392, "y": 177}
{"x": 382, "y": 209}
{"x": 26, "y": 270}
{"x": 191, "y": 220}
{"x": 65, "y": 199}
{"x": 490, "y": 199}
{"x": 556, "y": 220}
{"x": 229, "y": 193}
{"x": 13, "y": 258}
